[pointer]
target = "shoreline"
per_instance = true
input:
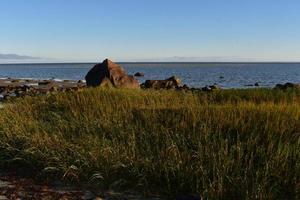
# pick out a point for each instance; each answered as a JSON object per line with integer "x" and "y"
{"x": 20, "y": 87}
{"x": 10, "y": 88}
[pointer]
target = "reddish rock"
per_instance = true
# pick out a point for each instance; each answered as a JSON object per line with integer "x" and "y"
{"x": 113, "y": 72}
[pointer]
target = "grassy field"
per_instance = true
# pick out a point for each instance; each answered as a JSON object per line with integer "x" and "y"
{"x": 225, "y": 144}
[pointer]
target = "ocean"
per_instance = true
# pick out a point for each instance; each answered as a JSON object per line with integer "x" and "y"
{"x": 227, "y": 75}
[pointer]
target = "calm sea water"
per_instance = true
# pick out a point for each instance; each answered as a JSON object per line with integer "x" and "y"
{"x": 228, "y": 75}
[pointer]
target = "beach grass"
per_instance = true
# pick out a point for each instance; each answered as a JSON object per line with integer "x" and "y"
{"x": 227, "y": 144}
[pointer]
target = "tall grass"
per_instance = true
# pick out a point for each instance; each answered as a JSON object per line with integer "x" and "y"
{"x": 224, "y": 144}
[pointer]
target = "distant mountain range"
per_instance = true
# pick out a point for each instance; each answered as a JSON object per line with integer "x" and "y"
{"x": 17, "y": 57}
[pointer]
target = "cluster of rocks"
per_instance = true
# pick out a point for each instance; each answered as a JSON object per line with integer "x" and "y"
{"x": 175, "y": 83}
{"x": 109, "y": 73}
{"x": 170, "y": 83}
{"x": 287, "y": 86}
{"x": 10, "y": 88}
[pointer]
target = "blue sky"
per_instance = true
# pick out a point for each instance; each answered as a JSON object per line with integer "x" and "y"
{"x": 151, "y": 30}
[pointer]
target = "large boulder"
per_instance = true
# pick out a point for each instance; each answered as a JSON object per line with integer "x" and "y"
{"x": 170, "y": 83}
{"x": 108, "y": 71}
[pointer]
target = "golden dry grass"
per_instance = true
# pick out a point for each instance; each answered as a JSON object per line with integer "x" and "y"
{"x": 225, "y": 144}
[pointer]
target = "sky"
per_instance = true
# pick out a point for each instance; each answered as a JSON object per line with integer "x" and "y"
{"x": 149, "y": 30}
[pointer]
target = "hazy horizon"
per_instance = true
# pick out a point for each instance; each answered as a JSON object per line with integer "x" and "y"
{"x": 137, "y": 62}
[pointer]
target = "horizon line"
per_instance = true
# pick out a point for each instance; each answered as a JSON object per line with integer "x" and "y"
{"x": 208, "y": 62}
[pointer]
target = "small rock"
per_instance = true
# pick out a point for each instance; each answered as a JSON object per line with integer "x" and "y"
{"x": 211, "y": 88}
{"x": 215, "y": 87}
{"x": 206, "y": 89}
{"x": 184, "y": 87}
{"x": 139, "y": 74}
{"x": 45, "y": 82}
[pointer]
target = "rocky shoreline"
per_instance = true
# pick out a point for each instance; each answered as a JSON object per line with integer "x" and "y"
{"x": 108, "y": 74}
{"x": 10, "y": 88}
{"x": 14, "y": 88}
